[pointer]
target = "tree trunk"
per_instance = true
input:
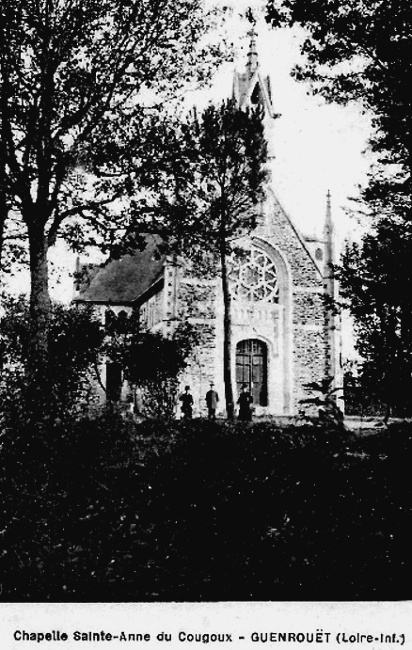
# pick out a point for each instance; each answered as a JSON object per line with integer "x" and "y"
{"x": 227, "y": 337}
{"x": 38, "y": 366}
{"x": 3, "y": 193}
{"x": 3, "y": 116}
{"x": 3, "y": 218}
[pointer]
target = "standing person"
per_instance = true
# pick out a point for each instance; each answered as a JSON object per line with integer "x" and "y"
{"x": 212, "y": 399}
{"x": 187, "y": 403}
{"x": 245, "y": 400}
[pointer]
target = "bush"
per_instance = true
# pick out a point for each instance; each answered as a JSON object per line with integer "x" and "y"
{"x": 75, "y": 339}
{"x": 151, "y": 362}
{"x": 109, "y": 510}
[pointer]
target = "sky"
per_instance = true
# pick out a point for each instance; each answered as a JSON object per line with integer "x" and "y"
{"x": 318, "y": 147}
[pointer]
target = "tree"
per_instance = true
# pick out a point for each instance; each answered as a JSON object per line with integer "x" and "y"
{"x": 72, "y": 73}
{"x": 376, "y": 279}
{"x": 233, "y": 153}
{"x": 206, "y": 194}
{"x": 151, "y": 362}
{"x": 75, "y": 339}
{"x": 362, "y": 51}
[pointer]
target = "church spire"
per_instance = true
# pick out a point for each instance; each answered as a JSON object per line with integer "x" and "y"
{"x": 333, "y": 369}
{"x": 249, "y": 87}
{"x": 252, "y": 90}
{"x": 252, "y": 56}
{"x": 329, "y": 235}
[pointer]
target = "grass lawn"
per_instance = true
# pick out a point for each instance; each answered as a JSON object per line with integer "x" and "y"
{"x": 108, "y": 510}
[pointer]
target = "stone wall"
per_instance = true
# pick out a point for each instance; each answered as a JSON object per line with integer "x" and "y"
{"x": 296, "y": 338}
{"x": 292, "y": 327}
{"x": 200, "y": 370}
{"x": 196, "y": 304}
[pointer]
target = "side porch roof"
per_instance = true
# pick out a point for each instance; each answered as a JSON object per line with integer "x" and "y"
{"x": 124, "y": 281}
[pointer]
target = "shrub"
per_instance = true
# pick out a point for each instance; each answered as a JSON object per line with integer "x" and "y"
{"x": 151, "y": 362}
{"x": 109, "y": 510}
{"x": 75, "y": 339}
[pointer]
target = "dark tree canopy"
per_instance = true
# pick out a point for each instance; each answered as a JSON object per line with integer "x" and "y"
{"x": 75, "y": 340}
{"x": 147, "y": 356}
{"x": 376, "y": 279}
{"x": 362, "y": 51}
{"x": 204, "y": 179}
{"x": 73, "y": 74}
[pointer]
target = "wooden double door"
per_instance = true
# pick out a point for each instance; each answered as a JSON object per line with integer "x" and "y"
{"x": 252, "y": 369}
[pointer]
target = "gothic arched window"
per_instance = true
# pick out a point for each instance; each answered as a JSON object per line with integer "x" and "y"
{"x": 253, "y": 277}
{"x": 256, "y": 96}
{"x": 319, "y": 254}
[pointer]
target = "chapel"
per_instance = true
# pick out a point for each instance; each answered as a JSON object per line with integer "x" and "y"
{"x": 284, "y": 335}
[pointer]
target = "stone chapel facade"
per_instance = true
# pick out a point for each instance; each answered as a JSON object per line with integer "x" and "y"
{"x": 283, "y": 336}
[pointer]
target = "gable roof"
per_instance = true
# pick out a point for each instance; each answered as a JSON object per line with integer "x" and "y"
{"x": 125, "y": 280}
{"x": 299, "y": 237}
{"x": 244, "y": 86}
{"x": 246, "y": 83}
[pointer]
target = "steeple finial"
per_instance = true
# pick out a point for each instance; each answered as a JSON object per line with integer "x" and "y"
{"x": 328, "y": 201}
{"x": 333, "y": 360}
{"x": 252, "y": 57}
{"x": 328, "y": 217}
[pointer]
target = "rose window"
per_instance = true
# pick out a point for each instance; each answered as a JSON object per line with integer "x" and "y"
{"x": 253, "y": 277}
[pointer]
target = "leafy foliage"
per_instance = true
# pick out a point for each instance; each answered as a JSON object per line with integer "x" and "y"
{"x": 325, "y": 400}
{"x": 151, "y": 362}
{"x": 233, "y": 156}
{"x": 75, "y": 340}
{"x": 206, "y": 193}
{"x": 206, "y": 178}
{"x": 110, "y": 511}
{"x": 73, "y": 74}
{"x": 362, "y": 51}
{"x": 376, "y": 278}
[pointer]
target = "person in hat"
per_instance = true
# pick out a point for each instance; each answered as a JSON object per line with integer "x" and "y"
{"x": 212, "y": 399}
{"x": 245, "y": 401}
{"x": 187, "y": 403}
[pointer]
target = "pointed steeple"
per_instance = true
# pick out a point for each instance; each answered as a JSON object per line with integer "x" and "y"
{"x": 329, "y": 235}
{"x": 252, "y": 56}
{"x": 249, "y": 87}
{"x": 333, "y": 366}
{"x": 328, "y": 217}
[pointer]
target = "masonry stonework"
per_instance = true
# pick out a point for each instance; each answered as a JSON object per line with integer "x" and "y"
{"x": 283, "y": 338}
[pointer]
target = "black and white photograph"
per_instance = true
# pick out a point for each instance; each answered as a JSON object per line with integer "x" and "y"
{"x": 206, "y": 310}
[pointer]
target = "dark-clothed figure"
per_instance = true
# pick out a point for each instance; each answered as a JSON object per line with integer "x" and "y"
{"x": 245, "y": 400}
{"x": 187, "y": 403}
{"x": 212, "y": 399}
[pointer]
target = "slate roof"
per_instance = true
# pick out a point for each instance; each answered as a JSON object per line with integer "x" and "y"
{"x": 125, "y": 280}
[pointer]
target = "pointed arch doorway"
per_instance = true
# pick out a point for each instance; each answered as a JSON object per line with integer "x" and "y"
{"x": 252, "y": 369}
